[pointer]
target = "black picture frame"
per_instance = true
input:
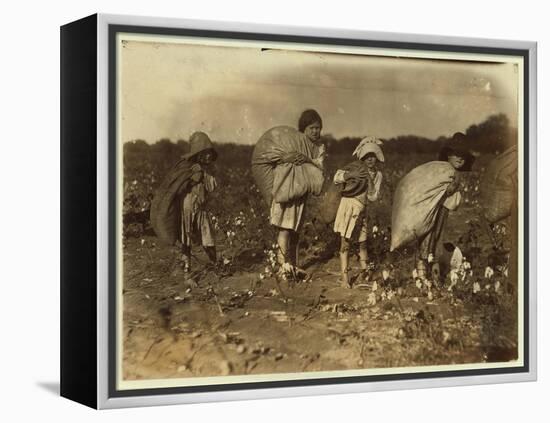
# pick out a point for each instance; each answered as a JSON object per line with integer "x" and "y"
{"x": 88, "y": 212}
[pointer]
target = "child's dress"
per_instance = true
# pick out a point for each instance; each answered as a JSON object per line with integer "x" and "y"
{"x": 352, "y": 210}
{"x": 195, "y": 220}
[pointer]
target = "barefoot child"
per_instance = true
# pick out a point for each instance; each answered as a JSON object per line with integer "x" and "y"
{"x": 178, "y": 211}
{"x": 461, "y": 161}
{"x": 361, "y": 183}
{"x": 422, "y": 201}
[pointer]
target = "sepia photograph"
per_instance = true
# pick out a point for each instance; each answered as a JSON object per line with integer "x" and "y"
{"x": 294, "y": 211}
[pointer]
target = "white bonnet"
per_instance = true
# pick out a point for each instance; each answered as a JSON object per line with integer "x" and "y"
{"x": 367, "y": 145}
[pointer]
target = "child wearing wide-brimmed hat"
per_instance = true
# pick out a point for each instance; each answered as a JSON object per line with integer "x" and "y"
{"x": 360, "y": 182}
{"x": 195, "y": 220}
{"x": 178, "y": 209}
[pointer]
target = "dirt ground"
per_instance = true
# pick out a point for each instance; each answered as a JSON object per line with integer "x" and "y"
{"x": 176, "y": 327}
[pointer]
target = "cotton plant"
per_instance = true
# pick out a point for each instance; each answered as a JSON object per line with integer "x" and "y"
{"x": 461, "y": 269}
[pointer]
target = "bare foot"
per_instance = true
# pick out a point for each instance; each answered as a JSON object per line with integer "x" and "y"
{"x": 344, "y": 280}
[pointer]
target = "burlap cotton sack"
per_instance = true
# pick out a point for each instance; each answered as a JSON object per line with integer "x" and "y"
{"x": 165, "y": 207}
{"x": 283, "y": 182}
{"x": 498, "y": 185}
{"x": 416, "y": 201}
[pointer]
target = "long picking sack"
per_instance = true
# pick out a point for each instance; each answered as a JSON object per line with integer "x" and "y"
{"x": 165, "y": 207}
{"x": 283, "y": 182}
{"x": 416, "y": 201}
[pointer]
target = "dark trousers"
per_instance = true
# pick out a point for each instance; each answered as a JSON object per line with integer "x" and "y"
{"x": 429, "y": 244}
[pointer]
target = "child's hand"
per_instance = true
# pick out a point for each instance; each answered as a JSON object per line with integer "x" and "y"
{"x": 453, "y": 187}
{"x": 295, "y": 158}
{"x": 358, "y": 174}
{"x": 300, "y": 159}
{"x": 196, "y": 176}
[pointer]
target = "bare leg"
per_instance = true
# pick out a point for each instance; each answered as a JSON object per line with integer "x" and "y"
{"x": 186, "y": 257}
{"x": 344, "y": 250}
{"x": 428, "y": 245}
{"x": 293, "y": 248}
{"x": 363, "y": 255}
{"x": 211, "y": 253}
{"x": 283, "y": 240}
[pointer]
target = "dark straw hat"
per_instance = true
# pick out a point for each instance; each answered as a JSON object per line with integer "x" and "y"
{"x": 200, "y": 142}
{"x": 456, "y": 147}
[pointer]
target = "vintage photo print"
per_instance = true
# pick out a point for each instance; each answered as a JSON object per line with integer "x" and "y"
{"x": 299, "y": 211}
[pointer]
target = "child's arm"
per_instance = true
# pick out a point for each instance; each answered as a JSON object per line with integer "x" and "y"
{"x": 453, "y": 201}
{"x": 210, "y": 182}
{"x": 349, "y": 172}
{"x": 295, "y": 158}
{"x": 319, "y": 161}
{"x": 374, "y": 187}
{"x": 453, "y": 187}
{"x": 339, "y": 177}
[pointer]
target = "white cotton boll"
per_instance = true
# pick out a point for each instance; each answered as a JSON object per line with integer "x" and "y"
{"x": 489, "y": 272}
{"x": 476, "y": 287}
{"x": 371, "y": 299}
{"x": 430, "y": 258}
{"x": 457, "y": 258}
{"x": 374, "y": 286}
{"x": 415, "y": 274}
{"x": 385, "y": 274}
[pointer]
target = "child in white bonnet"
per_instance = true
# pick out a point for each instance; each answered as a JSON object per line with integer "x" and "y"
{"x": 360, "y": 181}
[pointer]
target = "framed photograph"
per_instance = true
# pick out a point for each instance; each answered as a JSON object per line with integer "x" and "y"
{"x": 255, "y": 211}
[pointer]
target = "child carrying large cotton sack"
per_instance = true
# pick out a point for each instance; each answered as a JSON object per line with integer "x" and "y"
{"x": 423, "y": 199}
{"x": 282, "y": 180}
{"x": 287, "y": 166}
{"x": 417, "y": 200}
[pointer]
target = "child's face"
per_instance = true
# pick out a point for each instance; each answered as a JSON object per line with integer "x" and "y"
{"x": 370, "y": 161}
{"x": 456, "y": 161}
{"x": 313, "y": 131}
{"x": 206, "y": 157}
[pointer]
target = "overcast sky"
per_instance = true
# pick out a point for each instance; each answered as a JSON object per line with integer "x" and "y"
{"x": 237, "y": 93}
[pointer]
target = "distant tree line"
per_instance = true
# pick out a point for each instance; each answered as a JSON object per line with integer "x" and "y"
{"x": 491, "y": 136}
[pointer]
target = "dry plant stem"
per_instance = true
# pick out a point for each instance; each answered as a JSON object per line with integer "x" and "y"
{"x": 277, "y": 283}
{"x": 211, "y": 288}
{"x": 155, "y": 342}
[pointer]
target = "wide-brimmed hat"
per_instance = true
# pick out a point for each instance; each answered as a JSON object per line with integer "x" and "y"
{"x": 354, "y": 186}
{"x": 200, "y": 142}
{"x": 456, "y": 147}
